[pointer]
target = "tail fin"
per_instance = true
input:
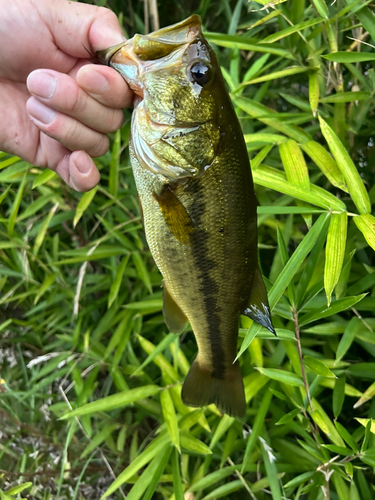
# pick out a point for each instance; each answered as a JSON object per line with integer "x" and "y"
{"x": 201, "y": 388}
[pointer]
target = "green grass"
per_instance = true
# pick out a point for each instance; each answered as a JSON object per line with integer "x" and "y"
{"x": 81, "y": 320}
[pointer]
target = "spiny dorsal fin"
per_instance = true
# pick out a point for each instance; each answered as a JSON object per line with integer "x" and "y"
{"x": 175, "y": 215}
{"x": 258, "y": 308}
{"x": 174, "y": 318}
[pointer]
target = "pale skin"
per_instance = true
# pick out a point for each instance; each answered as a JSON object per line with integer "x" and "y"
{"x": 55, "y": 106}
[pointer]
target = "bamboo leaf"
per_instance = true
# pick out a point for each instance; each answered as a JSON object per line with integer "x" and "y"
{"x": 43, "y": 229}
{"x": 348, "y": 337}
{"x": 170, "y": 417}
{"x": 346, "y": 97}
{"x": 268, "y": 138}
{"x": 318, "y": 367}
{"x": 326, "y": 163}
{"x": 233, "y": 41}
{"x": 295, "y": 262}
{"x": 257, "y": 426}
{"x": 367, "y": 18}
{"x": 211, "y": 479}
{"x": 352, "y": 178}
{"x": 83, "y": 204}
{"x": 269, "y": 117}
{"x": 292, "y": 70}
{"x": 273, "y": 179}
{"x": 115, "y": 164}
{"x": 177, "y": 486}
{"x": 271, "y": 470}
{"x": 323, "y": 421}
{"x": 350, "y": 57}
{"x": 335, "y": 251}
{"x": 288, "y": 417}
{"x": 268, "y": 17}
{"x": 224, "y": 490}
{"x": 142, "y": 270}
{"x": 19, "y": 488}
{"x": 292, "y": 29}
{"x": 335, "y": 307}
{"x": 48, "y": 281}
{"x": 256, "y": 67}
{"x": 191, "y": 443}
{"x": 338, "y": 396}
{"x": 322, "y": 8}
{"x": 157, "y": 446}
{"x": 46, "y": 176}
{"x": 114, "y": 401}
{"x": 366, "y": 224}
{"x": 347, "y": 437}
{"x": 367, "y": 422}
{"x": 158, "y": 349}
{"x": 367, "y": 395}
{"x": 294, "y": 164}
{"x": 155, "y": 468}
{"x": 282, "y": 376}
{"x": 15, "y": 206}
{"x": 115, "y": 287}
{"x": 313, "y": 91}
{"x": 162, "y": 460}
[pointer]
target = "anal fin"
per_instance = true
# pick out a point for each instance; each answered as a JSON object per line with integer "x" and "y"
{"x": 174, "y": 318}
{"x": 258, "y": 308}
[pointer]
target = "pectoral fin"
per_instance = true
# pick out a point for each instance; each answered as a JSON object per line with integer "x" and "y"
{"x": 174, "y": 318}
{"x": 175, "y": 215}
{"x": 258, "y": 309}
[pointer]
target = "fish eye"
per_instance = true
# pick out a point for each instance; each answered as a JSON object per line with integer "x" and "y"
{"x": 200, "y": 73}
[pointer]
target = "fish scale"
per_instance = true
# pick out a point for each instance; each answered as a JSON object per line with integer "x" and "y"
{"x": 197, "y": 196}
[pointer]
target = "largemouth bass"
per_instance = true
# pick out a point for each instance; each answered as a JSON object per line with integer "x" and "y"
{"x": 193, "y": 177}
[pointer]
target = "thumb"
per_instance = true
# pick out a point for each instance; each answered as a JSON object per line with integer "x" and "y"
{"x": 78, "y": 27}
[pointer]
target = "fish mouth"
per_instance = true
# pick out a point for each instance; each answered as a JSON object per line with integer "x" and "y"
{"x": 140, "y": 53}
{"x": 157, "y": 44}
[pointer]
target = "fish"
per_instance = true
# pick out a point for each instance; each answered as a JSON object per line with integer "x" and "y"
{"x": 196, "y": 192}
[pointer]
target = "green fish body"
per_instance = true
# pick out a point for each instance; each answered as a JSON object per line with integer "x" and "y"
{"x": 193, "y": 177}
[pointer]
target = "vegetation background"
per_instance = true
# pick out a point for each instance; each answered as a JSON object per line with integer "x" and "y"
{"x": 81, "y": 311}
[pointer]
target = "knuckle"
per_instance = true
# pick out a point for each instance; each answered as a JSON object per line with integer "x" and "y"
{"x": 108, "y": 14}
{"x": 100, "y": 147}
{"x": 115, "y": 121}
{"x": 76, "y": 101}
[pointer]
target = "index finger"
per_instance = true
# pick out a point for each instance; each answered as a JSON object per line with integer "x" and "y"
{"x": 105, "y": 85}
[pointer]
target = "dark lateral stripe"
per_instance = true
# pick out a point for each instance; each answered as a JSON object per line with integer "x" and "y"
{"x": 209, "y": 288}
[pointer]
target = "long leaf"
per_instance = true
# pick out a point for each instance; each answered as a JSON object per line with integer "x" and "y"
{"x": 352, "y": 178}
{"x": 114, "y": 401}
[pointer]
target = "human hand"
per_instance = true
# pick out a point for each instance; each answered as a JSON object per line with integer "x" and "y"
{"x": 74, "y": 104}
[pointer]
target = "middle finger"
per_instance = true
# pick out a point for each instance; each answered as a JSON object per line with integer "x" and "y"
{"x": 62, "y": 93}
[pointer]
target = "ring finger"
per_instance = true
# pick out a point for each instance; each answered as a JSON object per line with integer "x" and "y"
{"x": 67, "y": 130}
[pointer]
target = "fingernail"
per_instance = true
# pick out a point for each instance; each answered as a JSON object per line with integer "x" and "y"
{"x": 41, "y": 84}
{"x": 40, "y": 111}
{"x": 95, "y": 82}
